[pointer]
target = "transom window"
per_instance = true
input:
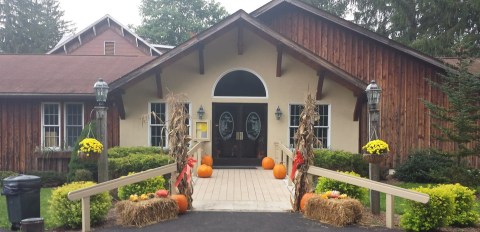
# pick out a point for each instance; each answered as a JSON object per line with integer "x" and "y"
{"x": 321, "y": 127}
{"x": 240, "y": 83}
{"x": 158, "y": 125}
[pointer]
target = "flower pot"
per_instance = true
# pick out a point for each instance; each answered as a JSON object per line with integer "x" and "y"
{"x": 92, "y": 156}
{"x": 375, "y": 158}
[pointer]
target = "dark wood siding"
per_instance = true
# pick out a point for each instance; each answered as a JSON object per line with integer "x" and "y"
{"x": 20, "y": 136}
{"x": 405, "y": 122}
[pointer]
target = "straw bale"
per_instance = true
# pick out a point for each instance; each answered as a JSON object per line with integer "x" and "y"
{"x": 145, "y": 212}
{"x": 337, "y": 212}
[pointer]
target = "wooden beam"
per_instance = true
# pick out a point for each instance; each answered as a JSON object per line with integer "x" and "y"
{"x": 240, "y": 44}
{"x": 120, "y": 106}
{"x": 361, "y": 99}
{"x": 321, "y": 78}
{"x": 158, "y": 80}
{"x": 279, "y": 60}
{"x": 201, "y": 61}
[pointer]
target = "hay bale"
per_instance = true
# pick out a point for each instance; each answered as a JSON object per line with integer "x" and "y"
{"x": 145, "y": 212}
{"x": 337, "y": 212}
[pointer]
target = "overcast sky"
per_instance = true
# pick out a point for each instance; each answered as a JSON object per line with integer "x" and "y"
{"x": 85, "y": 12}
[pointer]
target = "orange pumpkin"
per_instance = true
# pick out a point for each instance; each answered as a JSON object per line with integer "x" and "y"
{"x": 305, "y": 199}
{"x": 181, "y": 202}
{"x": 204, "y": 171}
{"x": 279, "y": 171}
{"x": 208, "y": 160}
{"x": 268, "y": 163}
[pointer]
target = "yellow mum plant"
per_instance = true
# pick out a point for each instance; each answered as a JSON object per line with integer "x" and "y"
{"x": 377, "y": 146}
{"x": 90, "y": 145}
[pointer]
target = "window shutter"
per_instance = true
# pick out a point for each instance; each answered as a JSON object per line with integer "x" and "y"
{"x": 109, "y": 48}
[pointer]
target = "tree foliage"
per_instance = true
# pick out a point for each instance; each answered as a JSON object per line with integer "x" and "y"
{"x": 172, "y": 22}
{"x": 31, "y": 26}
{"x": 436, "y": 27}
{"x": 459, "y": 122}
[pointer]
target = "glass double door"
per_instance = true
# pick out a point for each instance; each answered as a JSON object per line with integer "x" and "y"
{"x": 239, "y": 133}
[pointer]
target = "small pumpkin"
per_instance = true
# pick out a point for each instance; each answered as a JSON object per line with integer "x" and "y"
{"x": 305, "y": 199}
{"x": 181, "y": 202}
{"x": 204, "y": 171}
{"x": 279, "y": 171}
{"x": 268, "y": 163}
{"x": 207, "y": 160}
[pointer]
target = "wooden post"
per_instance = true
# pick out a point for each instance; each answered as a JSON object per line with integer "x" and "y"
{"x": 390, "y": 203}
{"x": 86, "y": 214}
{"x": 102, "y": 134}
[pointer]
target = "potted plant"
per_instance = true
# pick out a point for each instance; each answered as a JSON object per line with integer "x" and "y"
{"x": 375, "y": 151}
{"x": 90, "y": 149}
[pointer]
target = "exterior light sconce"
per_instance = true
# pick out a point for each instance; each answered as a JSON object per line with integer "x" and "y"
{"x": 101, "y": 91}
{"x": 278, "y": 113}
{"x": 201, "y": 112}
{"x": 373, "y": 94}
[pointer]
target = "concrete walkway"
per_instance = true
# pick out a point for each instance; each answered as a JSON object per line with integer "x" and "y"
{"x": 241, "y": 190}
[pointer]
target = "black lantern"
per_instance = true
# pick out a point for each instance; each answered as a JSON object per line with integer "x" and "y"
{"x": 278, "y": 113}
{"x": 373, "y": 94}
{"x": 200, "y": 112}
{"x": 101, "y": 91}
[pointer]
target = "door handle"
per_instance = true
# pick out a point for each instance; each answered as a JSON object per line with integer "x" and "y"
{"x": 239, "y": 136}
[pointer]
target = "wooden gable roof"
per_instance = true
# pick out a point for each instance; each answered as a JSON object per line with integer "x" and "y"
{"x": 275, "y": 6}
{"x": 91, "y": 32}
{"x": 241, "y": 20}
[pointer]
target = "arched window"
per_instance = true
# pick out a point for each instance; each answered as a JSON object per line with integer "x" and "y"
{"x": 240, "y": 83}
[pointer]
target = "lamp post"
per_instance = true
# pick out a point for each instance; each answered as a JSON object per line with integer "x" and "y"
{"x": 101, "y": 92}
{"x": 373, "y": 96}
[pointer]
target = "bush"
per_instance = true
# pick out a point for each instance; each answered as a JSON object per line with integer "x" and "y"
{"x": 464, "y": 176}
{"x": 464, "y": 212}
{"x": 340, "y": 160}
{"x": 5, "y": 174}
{"x": 50, "y": 178}
{"x": 325, "y": 184}
{"x": 118, "y": 152}
{"x": 147, "y": 186}
{"x": 424, "y": 167}
{"x": 69, "y": 213}
{"x": 122, "y": 166}
{"x": 82, "y": 175}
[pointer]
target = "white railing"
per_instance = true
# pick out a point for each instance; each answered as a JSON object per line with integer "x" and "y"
{"x": 196, "y": 151}
{"x": 286, "y": 157}
{"x": 389, "y": 190}
{"x": 85, "y": 193}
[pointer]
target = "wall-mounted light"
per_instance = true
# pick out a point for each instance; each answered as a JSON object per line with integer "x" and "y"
{"x": 201, "y": 112}
{"x": 278, "y": 113}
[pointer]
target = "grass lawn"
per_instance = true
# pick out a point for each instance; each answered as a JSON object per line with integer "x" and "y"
{"x": 45, "y": 194}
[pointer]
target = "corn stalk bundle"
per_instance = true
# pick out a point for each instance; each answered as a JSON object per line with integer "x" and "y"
{"x": 178, "y": 139}
{"x": 304, "y": 141}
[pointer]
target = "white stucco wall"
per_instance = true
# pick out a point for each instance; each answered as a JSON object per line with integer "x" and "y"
{"x": 259, "y": 57}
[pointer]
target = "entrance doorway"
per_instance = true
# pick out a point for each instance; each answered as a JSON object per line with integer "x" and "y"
{"x": 239, "y": 133}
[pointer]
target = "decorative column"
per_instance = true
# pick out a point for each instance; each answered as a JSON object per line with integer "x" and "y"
{"x": 101, "y": 92}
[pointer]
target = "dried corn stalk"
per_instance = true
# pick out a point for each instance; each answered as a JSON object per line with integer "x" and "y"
{"x": 304, "y": 141}
{"x": 178, "y": 139}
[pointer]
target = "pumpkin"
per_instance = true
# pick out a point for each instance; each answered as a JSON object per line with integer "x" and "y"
{"x": 204, "y": 171}
{"x": 305, "y": 199}
{"x": 268, "y": 163}
{"x": 181, "y": 202}
{"x": 207, "y": 160}
{"x": 162, "y": 193}
{"x": 279, "y": 171}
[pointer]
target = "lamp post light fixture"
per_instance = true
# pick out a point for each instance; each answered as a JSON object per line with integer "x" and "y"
{"x": 101, "y": 93}
{"x": 200, "y": 112}
{"x": 278, "y": 113}
{"x": 373, "y": 92}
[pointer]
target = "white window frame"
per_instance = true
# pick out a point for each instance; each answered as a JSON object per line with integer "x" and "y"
{"x": 329, "y": 110}
{"x": 65, "y": 118}
{"x": 166, "y": 120}
{"x": 58, "y": 125}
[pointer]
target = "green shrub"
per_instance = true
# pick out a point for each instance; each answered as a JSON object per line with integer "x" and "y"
{"x": 82, "y": 175}
{"x": 424, "y": 167}
{"x": 325, "y": 184}
{"x": 118, "y": 152}
{"x": 340, "y": 160}
{"x": 50, "y": 178}
{"x": 69, "y": 213}
{"x": 148, "y": 186}
{"x": 5, "y": 174}
{"x": 122, "y": 166}
{"x": 463, "y": 175}
{"x": 464, "y": 214}
{"x": 437, "y": 212}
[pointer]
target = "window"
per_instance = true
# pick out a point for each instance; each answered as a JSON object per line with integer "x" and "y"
{"x": 51, "y": 125}
{"x": 158, "y": 135}
{"x": 109, "y": 48}
{"x": 73, "y": 123}
{"x": 321, "y": 126}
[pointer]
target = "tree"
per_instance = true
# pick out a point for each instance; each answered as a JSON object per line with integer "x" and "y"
{"x": 436, "y": 27}
{"x": 172, "y": 22}
{"x": 460, "y": 121}
{"x": 31, "y": 26}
